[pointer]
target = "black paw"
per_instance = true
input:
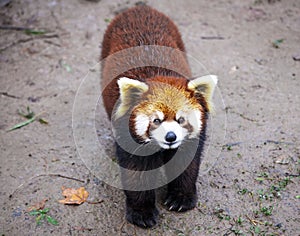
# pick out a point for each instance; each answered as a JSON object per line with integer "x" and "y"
{"x": 180, "y": 203}
{"x": 146, "y": 218}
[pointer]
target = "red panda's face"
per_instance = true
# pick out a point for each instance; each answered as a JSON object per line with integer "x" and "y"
{"x": 164, "y": 113}
{"x": 155, "y": 125}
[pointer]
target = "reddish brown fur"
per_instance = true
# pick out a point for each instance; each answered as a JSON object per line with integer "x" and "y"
{"x": 168, "y": 95}
{"x": 145, "y": 26}
{"x": 139, "y": 26}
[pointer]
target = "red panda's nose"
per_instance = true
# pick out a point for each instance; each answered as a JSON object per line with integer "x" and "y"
{"x": 170, "y": 137}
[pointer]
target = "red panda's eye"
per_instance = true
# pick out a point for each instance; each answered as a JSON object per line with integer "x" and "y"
{"x": 181, "y": 120}
{"x": 156, "y": 121}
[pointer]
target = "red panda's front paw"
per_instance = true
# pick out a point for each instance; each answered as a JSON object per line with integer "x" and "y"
{"x": 142, "y": 218}
{"x": 180, "y": 202}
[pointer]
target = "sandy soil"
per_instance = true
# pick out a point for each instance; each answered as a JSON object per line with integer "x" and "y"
{"x": 249, "y": 181}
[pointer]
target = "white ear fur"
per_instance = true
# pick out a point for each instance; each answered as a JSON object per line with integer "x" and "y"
{"x": 130, "y": 90}
{"x": 206, "y": 86}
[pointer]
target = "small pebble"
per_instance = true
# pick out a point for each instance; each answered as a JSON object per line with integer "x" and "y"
{"x": 296, "y": 57}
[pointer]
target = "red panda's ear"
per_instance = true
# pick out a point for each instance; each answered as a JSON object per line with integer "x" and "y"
{"x": 206, "y": 86}
{"x": 130, "y": 90}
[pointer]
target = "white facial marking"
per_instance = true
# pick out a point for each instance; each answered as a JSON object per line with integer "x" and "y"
{"x": 181, "y": 114}
{"x": 160, "y": 115}
{"x": 160, "y": 133}
{"x": 141, "y": 124}
{"x": 194, "y": 118}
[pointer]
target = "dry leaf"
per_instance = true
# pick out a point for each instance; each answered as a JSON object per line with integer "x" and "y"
{"x": 37, "y": 206}
{"x": 74, "y": 196}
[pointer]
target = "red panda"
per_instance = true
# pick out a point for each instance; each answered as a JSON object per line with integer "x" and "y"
{"x": 154, "y": 106}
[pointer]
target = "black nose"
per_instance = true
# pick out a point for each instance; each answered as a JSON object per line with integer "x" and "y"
{"x": 170, "y": 137}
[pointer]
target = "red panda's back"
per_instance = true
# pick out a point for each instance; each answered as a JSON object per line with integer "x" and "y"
{"x": 138, "y": 26}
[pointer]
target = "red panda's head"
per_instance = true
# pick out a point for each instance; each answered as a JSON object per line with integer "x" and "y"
{"x": 165, "y": 110}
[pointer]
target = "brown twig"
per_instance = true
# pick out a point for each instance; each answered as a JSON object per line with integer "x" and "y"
{"x": 42, "y": 175}
{"x": 251, "y": 220}
{"x": 233, "y": 144}
{"x": 292, "y": 175}
{"x": 122, "y": 226}
{"x": 52, "y": 43}
{"x": 63, "y": 176}
{"x": 17, "y": 28}
{"x": 9, "y": 95}
{"x": 241, "y": 115}
{"x": 245, "y": 117}
{"x": 254, "y": 222}
{"x": 44, "y": 36}
{"x": 97, "y": 202}
{"x": 212, "y": 37}
{"x": 278, "y": 142}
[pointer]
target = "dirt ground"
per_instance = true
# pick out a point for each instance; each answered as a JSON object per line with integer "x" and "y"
{"x": 249, "y": 179}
